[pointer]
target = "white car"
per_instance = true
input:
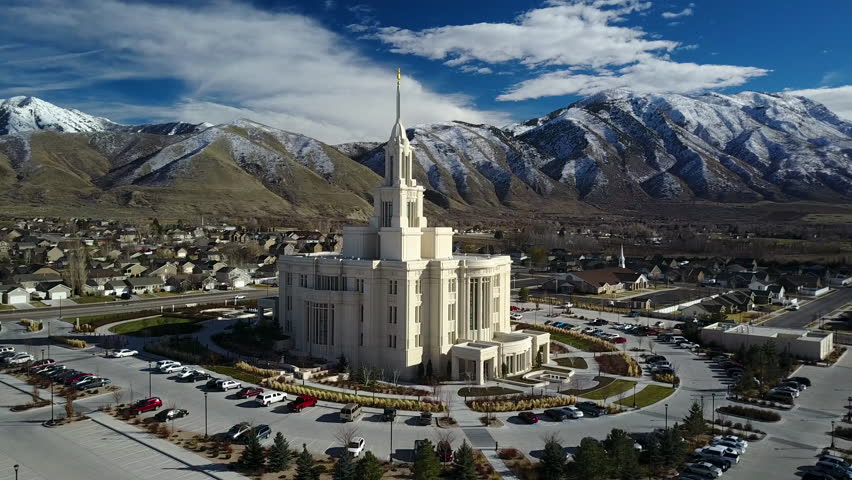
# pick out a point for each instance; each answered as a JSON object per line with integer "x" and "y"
{"x": 21, "y": 358}
{"x": 732, "y": 438}
{"x": 240, "y": 297}
{"x": 187, "y": 372}
{"x": 172, "y": 368}
{"x": 572, "y": 412}
{"x": 163, "y": 363}
{"x": 124, "y": 352}
{"x": 356, "y": 446}
{"x": 704, "y": 469}
{"x": 230, "y": 384}
{"x": 736, "y": 446}
{"x": 687, "y": 345}
{"x": 568, "y": 305}
{"x": 516, "y": 316}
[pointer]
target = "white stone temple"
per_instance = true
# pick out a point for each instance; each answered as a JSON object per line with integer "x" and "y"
{"x": 397, "y": 297}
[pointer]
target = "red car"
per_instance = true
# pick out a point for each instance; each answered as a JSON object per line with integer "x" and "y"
{"x": 249, "y": 392}
{"x": 42, "y": 363}
{"x": 146, "y": 405}
{"x": 302, "y": 401}
{"x": 619, "y": 340}
{"x": 514, "y": 308}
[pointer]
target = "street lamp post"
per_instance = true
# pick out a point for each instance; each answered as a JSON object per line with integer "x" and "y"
{"x": 713, "y": 397}
{"x": 42, "y": 354}
{"x": 149, "y": 379}
{"x": 634, "y": 395}
{"x": 16, "y": 471}
{"x": 205, "y": 414}
{"x": 667, "y": 416}
{"x": 51, "y": 401}
{"x": 48, "y": 339}
{"x": 390, "y": 453}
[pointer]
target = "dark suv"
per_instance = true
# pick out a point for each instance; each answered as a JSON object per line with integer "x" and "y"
{"x": 591, "y": 408}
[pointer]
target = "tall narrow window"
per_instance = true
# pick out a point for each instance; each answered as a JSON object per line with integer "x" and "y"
{"x": 451, "y": 285}
{"x": 387, "y": 213}
{"x": 418, "y": 289}
{"x": 418, "y": 342}
{"x": 417, "y": 314}
{"x": 412, "y": 213}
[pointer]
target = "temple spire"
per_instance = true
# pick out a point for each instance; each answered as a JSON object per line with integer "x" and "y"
{"x": 621, "y": 262}
{"x": 398, "y": 78}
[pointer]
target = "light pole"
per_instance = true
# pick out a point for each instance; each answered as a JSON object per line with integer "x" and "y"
{"x": 634, "y": 395}
{"x": 51, "y": 401}
{"x": 48, "y": 339}
{"x": 205, "y": 414}
{"x": 42, "y": 354}
{"x": 713, "y": 397}
{"x": 832, "y": 434}
{"x": 149, "y": 379}
{"x": 16, "y": 471}
{"x": 390, "y": 454}
{"x": 667, "y": 416}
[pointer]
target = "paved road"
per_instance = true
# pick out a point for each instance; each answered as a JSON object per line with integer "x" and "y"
{"x": 812, "y": 310}
{"x": 51, "y": 313}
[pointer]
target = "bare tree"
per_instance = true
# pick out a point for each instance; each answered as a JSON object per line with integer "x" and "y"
{"x": 366, "y": 375}
{"x": 345, "y": 434}
{"x": 396, "y": 374}
{"x": 446, "y": 435}
{"x": 448, "y": 401}
{"x": 117, "y": 396}
{"x": 76, "y": 271}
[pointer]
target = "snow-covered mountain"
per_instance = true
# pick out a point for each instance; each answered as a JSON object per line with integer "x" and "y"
{"x": 24, "y": 114}
{"x": 611, "y": 150}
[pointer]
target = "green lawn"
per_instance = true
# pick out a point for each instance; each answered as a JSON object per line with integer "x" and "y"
{"x": 611, "y": 390}
{"x": 485, "y": 391}
{"x": 6, "y": 307}
{"x": 572, "y": 362}
{"x": 647, "y": 396}
{"x": 37, "y": 303}
{"x": 234, "y": 373}
{"x": 94, "y": 299}
{"x": 602, "y": 382}
{"x": 580, "y": 343}
{"x": 166, "y": 294}
{"x": 157, "y": 326}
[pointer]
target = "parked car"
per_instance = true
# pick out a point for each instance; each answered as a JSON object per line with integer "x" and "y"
{"x": 803, "y": 380}
{"x": 780, "y": 394}
{"x": 704, "y": 469}
{"x": 20, "y": 359}
{"x": 236, "y": 432}
{"x": 793, "y": 390}
{"x": 528, "y": 417}
{"x": 171, "y": 414}
{"x": 555, "y": 414}
{"x": 188, "y": 372}
{"x": 96, "y": 383}
{"x": 146, "y": 405}
{"x": 76, "y": 378}
{"x": 301, "y": 402}
{"x": 248, "y": 392}
{"x": 516, "y": 316}
{"x": 800, "y": 387}
{"x": 269, "y": 397}
{"x": 41, "y": 363}
{"x": 737, "y": 447}
{"x": 836, "y": 460}
{"x": 619, "y": 340}
{"x": 124, "y": 352}
{"x": 425, "y": 418}
{"x": 833, "y": 469}
{"x": 733, "y": 438}
{"x": 162, "y": 363}
{"x": 591, "y": 408}
{"x": 816, "y": 475}
{"x": 226, "y": 385}
{"x": 572, "y": 412}
{"x": 389, "y": 414}
{"x": 212, "y": 383}
{"x": 171, "y": 367}
{"x": 197, "y": 376}
{"x": 356, "y": 446}
{"x": 719, "y": 451}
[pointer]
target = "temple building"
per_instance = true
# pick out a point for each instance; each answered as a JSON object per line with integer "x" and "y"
{"x": 397, "y": 298}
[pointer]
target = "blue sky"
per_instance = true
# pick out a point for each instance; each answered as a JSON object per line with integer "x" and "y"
{"x": 327, "y": 68}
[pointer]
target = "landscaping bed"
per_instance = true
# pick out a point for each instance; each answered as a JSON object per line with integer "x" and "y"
{"x": 843, "y": 432}
{"x": 572, "y": 362}
{"x": 602, "y": 382}
{"x": 69, "y": 342}
{"x": 610, "y": 390}
{"x": 425, "y": 405}
{"x": 377, "y": 387}
{"x": 94, "y": 299}
{"x": 749, "y": 413}
{"x": 649, "y": 395}
{"x": 760, "y": 402}
{"x": 186, "y": 350}
{"x": 520, "y": 402}
{"x": 577, "y": 340}
{"x": 619, "y": 364}
{"x": 486, "y": 391}
{"x": 158, "y": 327}
{"x": 257, "y": 342}
{"x": 235, "y": 373}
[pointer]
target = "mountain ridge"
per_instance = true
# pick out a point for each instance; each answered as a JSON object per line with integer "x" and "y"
{"x": 607, "y": 151}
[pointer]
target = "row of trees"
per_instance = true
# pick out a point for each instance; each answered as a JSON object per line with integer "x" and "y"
{"x": 427, "y": 465}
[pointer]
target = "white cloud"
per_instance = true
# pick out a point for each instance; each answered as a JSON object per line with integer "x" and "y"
{"x": 838, "y": 100}
{"x": 475, "y": 69}
{"x": 686, "y": 12}
{"x": 279, "y": 68}
{"x": 652, "y": 75}
{"x": 558, "y": 34}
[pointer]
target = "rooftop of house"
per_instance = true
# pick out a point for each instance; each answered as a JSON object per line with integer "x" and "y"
{"x": 771, "y": 332}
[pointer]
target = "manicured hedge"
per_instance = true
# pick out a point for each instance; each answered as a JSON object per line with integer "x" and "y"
{"x": 750, "y": 413}
{"x": 364, "y": 401}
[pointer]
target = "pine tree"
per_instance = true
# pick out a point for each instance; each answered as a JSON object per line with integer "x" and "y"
{"x": 590, "y": 460}
{"x": 523, "y": 294}
{"x": 427, "y": 465}
{"x": 693, "y": 423}
{"x": 306, "y": 468}
{"x": 279, "y": 457}
{"x": 464, "y": 466}
{"x": 552, "y": 464}
{"x": 624, "y": 458}
{"x": 672, "y": 447}
{"x": 344, "y": 469}
{"x": 369, "y": 467}
{"x": 429, "y": 369}
{"x": 253, "y": 457}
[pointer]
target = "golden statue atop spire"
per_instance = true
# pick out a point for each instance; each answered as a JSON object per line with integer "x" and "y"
{"x": 398, "y": 77}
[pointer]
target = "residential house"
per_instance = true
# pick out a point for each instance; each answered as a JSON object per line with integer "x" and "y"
{"x": 232, "y": 277}
{"x": 116, "y": 287}
{"x": 164, "y": 270}
{"x": 13, "y": 294}
{"x": 776, "y": 294}
{"x": 140, "y": 285}
{"x": 54, "y": 291}
{"x": 606, "y": 280}
{"x": 134, "y": 269}
{"x": 181, "y": 252}
{"x": 189, "y": 268}
{"x": 31, "y": 281}
{"x": 54, "y": 254}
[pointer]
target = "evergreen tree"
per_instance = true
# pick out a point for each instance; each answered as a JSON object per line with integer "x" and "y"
{"x": 420, "y": 371}
{"x": 429, "y": 369}
{"x": 590, "y": 460}
{"x": 523, "y": 294}
{"x": 693, "y": 423}
{"x": 306, "y": 468}
{"x": 538, "y": 358}
{"x": 552, "y": 465}
{"x": 253, "y": 457}
{"x": 369, "y": 467}
{"x": 464, "y": 466}
{"x": 155, "y": 227}
{"x": 624, "y": 459}
{"x": 279, "y": 456}
{"x": 672, "y": 447}
{"x": 427, "y": 465}
{"x": 655, "y": 456}
{"x": 344, "y": 469}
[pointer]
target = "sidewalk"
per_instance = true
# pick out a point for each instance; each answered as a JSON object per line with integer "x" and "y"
{"x": 498, "y": 464}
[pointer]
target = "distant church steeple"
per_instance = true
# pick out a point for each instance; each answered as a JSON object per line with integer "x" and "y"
{"x": 621, "y": 258}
